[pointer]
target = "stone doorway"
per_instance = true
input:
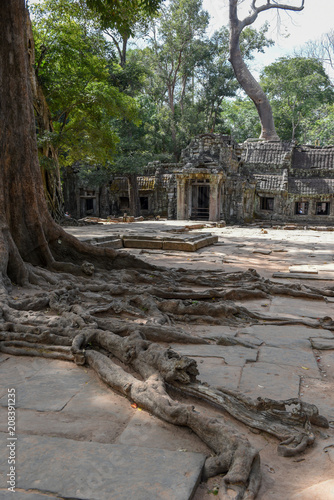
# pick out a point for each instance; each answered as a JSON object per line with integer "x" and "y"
{"x": 200, "y": 202}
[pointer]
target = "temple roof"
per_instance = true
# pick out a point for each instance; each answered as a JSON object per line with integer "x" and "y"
{"x": 273, "y": 153}
{"x": 311, "y": 186}
{"x": 312, "y": 157}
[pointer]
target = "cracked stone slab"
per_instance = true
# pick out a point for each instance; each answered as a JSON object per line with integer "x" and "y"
{"x": 269, "y": 381}
{"x": 296, "y": 336}
{"x": 3, "y": 357}
{"x": 295, "y": 306}
{"x": 319, "y": 393}
{"x": 148, "y": 431}
{"x": 14, "y": 372}
{"x": 217, "y": 374}
{"x": 48, "y": 390}
{"x": 302, "y": 361}
{"x": 232, "y": 355}
{"x": 95, "y": 471}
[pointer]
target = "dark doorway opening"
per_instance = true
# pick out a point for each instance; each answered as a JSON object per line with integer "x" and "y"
{"x": 89, "y": 205}
{"x": 200, "y": 202}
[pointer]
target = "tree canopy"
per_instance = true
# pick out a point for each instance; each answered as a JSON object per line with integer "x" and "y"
{"x": 296, "y": 87}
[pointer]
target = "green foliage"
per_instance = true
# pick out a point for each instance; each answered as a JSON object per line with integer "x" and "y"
{"x": 190, "y": 74}
{"x": 296, "y": 87}
{"x": 73, "y": 65}
{"x": 318, "y": 129}
{"x": 123, "y": 15}
{"x": 240, "y": 119}
{"x": 116, "y": 108}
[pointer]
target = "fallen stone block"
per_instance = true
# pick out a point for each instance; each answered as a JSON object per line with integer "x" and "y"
{"x": 303, "y": 276}
{"x": 263, "y": 252}
{"x": 303, "y": 269}
{"x": 322, "y": 344}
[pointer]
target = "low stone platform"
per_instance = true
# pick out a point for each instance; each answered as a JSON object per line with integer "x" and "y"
{"x": 183, "y": 242}
{"x": 162, "y": 241}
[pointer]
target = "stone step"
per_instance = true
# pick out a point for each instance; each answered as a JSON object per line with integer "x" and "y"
{"x": 182, "y": 242}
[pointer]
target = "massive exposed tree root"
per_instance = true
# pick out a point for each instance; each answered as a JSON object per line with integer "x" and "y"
{"x": 120, "y": 322}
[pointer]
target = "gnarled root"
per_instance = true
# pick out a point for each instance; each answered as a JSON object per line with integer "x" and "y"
{"x": 234, "y": 454}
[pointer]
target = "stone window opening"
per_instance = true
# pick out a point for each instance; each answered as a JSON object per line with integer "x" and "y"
{"x": 266, "y": 203}
{"x": 124, "y": 203}
{"x": 322, "y": 208}
{"x": 143, "y": 202}
{"x": 301, "y": 208}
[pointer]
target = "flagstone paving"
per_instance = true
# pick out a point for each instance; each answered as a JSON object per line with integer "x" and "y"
{"x": 77, "y": 439}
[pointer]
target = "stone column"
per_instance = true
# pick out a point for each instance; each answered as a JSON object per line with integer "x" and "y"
{"x": 181, "y": 198}
{"x": 214, "y": 209}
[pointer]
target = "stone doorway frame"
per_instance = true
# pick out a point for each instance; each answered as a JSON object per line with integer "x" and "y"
{"x": 185, "y": 182}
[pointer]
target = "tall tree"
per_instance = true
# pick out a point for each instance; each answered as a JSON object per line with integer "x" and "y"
{"x": 321, "y": 49}
{"x": 243, "y": 74}
{"x": 48, "y": 154}
{"x": 175, "y": 36}
{"x": 215, "y": 74}
{"x": 121, "y": 20}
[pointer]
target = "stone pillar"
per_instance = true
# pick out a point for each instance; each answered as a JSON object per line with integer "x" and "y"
{"x": 181, "y": 199}
{"x": 214, "y": 208}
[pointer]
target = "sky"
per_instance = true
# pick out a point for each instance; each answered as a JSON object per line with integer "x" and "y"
{"x": 316, "y": 18}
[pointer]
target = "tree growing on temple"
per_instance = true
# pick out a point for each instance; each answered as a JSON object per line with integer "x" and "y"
{"x": 243, "y": 74}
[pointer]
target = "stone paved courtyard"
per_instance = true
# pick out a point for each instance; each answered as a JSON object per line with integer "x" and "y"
{"x": 79, "y": 440}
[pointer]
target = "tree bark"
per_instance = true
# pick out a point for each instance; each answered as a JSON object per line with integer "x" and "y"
{"x": 134, "y": 201}
{"x": 27, "y": 231}
{"x": 242, "y": 73}
{"x": 50, "y": 171}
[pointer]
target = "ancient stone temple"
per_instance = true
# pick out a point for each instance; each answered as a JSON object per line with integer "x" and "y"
{"x": 218, "y": 179}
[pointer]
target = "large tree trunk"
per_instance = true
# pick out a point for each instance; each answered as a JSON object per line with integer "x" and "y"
{"x": 47, "y": 153}
{"x": 242, "y": 73}
{"x": 27, "y": 231}
{"x": 247, "y": 81}
{"x": 23, "y": 208}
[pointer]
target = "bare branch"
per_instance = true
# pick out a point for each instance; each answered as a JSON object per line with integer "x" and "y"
{"x": 271, "y": 4}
